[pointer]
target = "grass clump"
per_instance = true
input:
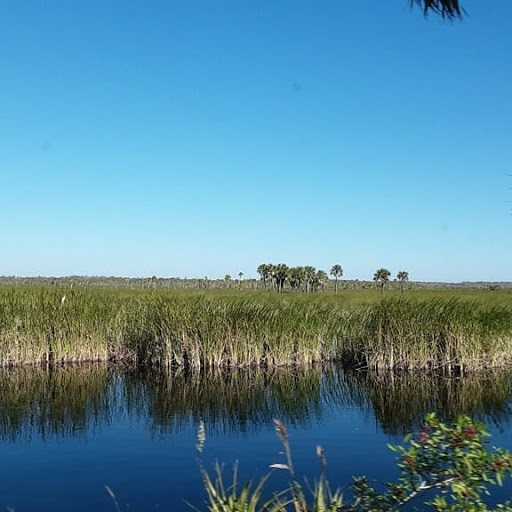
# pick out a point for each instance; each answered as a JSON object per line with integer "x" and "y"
{"x": 449, "y": 334}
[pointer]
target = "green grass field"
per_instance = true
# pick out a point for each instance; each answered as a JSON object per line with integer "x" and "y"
{"x": 425, "y": 329}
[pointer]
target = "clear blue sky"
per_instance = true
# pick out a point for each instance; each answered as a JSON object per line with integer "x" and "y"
{"x": 204, "y": 137}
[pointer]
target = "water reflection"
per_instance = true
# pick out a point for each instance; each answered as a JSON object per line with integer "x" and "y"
{"x": 56, "y": 402}
{"x": 71, "y": 401}
{"x": 228, "y": 400}
{"x": 400, "y": 402}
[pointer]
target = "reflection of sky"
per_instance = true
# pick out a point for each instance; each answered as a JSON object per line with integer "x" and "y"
{"x": 144, "y": 469}
{"x": 146, "y": 466}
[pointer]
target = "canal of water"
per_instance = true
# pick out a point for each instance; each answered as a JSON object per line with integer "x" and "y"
{"x": 67, "y": 433}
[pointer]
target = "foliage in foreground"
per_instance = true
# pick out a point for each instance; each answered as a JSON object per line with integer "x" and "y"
{"x": 448, "y": 466}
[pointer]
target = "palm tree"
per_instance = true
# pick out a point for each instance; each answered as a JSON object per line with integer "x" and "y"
{"x": 295, "y": 277}
{"x": 301, "y": 277}
{"x": 227, "y": 280}
{"x": 264, "y": 270}
{"x": 381, "y": 276}
{"x": 337, "y": 272}
{"x": 403, "y": 277}
{"x": 321, "y": 279}
{"x": 280, "y": 274}
{"x": 450, "y": 9}
{"x": 309, "y": 277}
{"x": 240, "y": 274}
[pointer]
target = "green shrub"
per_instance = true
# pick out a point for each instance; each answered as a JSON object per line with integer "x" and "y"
{"x": 449, "y": 466}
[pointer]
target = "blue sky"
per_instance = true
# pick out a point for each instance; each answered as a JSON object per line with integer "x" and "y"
{"x": 192, "y": 138}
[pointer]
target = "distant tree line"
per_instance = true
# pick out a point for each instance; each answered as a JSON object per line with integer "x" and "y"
{"x": 309, "y": 279}
{"x": 334, "y": 283}
{"x": 276, "y": 277}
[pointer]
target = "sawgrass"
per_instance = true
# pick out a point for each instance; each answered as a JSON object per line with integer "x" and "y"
{"x": 424, "y": 329}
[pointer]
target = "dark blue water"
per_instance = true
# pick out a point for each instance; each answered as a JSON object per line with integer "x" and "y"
{"x": 66, "y": 434}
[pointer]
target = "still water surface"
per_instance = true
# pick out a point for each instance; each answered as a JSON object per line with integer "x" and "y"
{"x": 66, "y": 434}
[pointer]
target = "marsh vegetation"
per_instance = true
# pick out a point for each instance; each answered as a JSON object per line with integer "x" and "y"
{"x": 422, "y": 329}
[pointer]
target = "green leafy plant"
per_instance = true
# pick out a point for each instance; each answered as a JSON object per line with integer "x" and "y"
{"x": 449, "y": 467}
{"x": 230, "y": 499}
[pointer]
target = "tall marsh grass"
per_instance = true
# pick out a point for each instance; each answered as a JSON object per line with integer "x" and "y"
{"x": 229, "y": 329}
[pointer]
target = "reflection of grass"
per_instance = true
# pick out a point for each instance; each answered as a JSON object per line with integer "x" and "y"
{"x": 399, "y": 401}
{"x": 66, "y": 401}
{"x": 235, "y": 400}
{"x": 61, "y": 402}
{"x": 229, "y": 329}
{"x": 246, "y": 399}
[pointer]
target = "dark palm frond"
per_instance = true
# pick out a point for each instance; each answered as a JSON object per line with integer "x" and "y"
{"x": 450, "y": 9}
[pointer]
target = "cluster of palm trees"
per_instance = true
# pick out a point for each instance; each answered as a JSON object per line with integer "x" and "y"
{"x": 306, "y": 279}
{"x": 309, "y": 279}
{"x": 382, "y": 275}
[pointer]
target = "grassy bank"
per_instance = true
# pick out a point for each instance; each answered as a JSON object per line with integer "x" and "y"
{"x": 425, "y": 329}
